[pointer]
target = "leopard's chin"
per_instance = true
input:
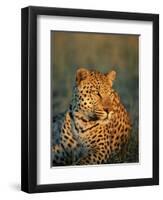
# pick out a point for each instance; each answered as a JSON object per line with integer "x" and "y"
{"x": 108, "y": 117}
{"x": 104, "y": 116}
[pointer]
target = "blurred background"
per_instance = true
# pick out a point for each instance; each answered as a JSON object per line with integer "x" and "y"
{"x": 103, "y": 52}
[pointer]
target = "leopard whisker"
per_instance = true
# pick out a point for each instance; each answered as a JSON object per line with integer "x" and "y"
{"x": 99, "y": 112}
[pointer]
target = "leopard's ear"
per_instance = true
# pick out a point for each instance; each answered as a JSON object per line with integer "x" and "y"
{"x": 81, "y": 74}
{"x": 111, "y": 76}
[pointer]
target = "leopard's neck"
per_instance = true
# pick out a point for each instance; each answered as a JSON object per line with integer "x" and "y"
{"x": 119, "y": 111}
{"x": 80, "y": 123}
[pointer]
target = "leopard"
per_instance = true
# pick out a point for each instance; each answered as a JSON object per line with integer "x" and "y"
{"x": 96, "y": 124}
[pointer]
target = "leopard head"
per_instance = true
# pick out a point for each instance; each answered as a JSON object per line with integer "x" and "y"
{"x": 92, "y": 93}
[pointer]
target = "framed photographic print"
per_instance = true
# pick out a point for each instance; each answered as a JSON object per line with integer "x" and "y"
{"x": 90, "y": 99}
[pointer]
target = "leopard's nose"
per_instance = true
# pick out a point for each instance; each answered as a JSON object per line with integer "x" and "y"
{"x": 106, "y": 109}
{"x": 106, "y": 104}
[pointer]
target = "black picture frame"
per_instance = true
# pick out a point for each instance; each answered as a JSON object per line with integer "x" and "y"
{"x": 29, "y": 98}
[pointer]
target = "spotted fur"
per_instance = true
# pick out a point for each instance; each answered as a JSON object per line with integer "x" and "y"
{"x": 95, "y": 126}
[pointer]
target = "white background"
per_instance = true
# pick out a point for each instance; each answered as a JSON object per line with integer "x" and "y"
{"x": 46, "y": 175}
{"x": 10, "y": 78}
